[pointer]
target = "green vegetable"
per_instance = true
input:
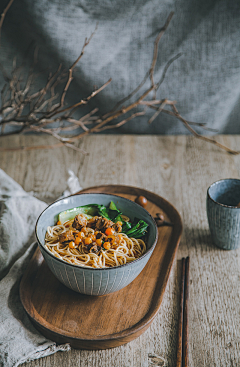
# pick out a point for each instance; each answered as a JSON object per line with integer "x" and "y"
{"x": 137, "y": 229}
{"x": 112, "y": 206}
{"x": 71, "y": 213}
{"x": 126, "y": 226}
{"x": 114, "y": 214}
{"x": 102, "y": 211}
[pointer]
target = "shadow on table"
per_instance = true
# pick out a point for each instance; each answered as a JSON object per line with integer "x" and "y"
{"x": 195, "y": 237}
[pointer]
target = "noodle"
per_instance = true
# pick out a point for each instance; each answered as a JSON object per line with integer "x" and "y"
{"x": 123, "y": 249}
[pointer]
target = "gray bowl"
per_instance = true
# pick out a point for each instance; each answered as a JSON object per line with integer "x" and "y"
{"x": 89, "y": 280}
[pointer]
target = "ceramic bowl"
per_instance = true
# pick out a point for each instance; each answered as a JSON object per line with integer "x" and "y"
{"x": 93, "y": 281}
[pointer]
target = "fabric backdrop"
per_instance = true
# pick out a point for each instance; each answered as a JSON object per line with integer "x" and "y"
{"x": 205, "y": 80}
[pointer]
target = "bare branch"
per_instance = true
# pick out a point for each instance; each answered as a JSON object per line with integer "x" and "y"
{"x": 151, "y": 104}
{"x": 155, "y": 52}
{"x": 205, "y": 138}
{"x": 166, "y": 69}
{"x": 159, "y": 110}
{"x": 3, "y": 16}
{"x": 83, "y": 101}
{"x": 70, "y": 72}
{"x": 121, "y": 122}
{"x": 150, "y": 72}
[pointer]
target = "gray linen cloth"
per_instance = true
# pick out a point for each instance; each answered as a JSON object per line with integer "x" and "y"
{"x": 205, "y": 80}
{"x": 19, "y": 340}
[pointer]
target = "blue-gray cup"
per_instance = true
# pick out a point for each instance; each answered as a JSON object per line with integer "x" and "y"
{"x": 223, "y": 198}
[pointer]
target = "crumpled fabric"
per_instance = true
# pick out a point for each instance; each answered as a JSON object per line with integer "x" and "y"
{"x": 205, "y": 80}
{"x": 19, "y": 341}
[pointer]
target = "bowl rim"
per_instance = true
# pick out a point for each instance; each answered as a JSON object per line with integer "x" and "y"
{"x": 98, "y": 269}
{"x": 217, "y": 183}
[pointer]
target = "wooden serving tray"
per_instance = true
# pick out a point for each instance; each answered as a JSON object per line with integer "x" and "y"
{"x": 101, "y": 322}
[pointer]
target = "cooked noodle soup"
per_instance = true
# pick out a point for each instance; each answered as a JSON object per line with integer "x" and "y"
{"x": 94, "y": 241}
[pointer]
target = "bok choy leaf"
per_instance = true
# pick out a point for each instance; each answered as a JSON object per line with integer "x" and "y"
{"x": 138, "y": 230}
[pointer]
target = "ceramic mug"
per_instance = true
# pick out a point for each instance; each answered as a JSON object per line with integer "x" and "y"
{"x": 223, "y": 198}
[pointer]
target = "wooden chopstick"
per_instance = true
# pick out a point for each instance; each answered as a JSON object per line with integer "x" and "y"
{"x": 180, "y": 316}
{"x": 182, "y": 344}
{"x": 185, "y": 315}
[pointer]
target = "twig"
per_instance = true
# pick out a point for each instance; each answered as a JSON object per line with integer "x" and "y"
{"x": 155, "y": 52}
{"x": 150, "y": 72}
{"x": 171, "y": 113}
{"x": 83, "y": 101}
{"x": 122, "y": 122}
{"x": 70, "y": 77}
{"x": 3, "y": 16}
{"x": 159, "y": 110}
{"x": 231, "y": 151}
{"x": 166, "y": 69}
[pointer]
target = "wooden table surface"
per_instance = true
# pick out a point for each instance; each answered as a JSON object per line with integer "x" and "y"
{"x": 179, "y": 168}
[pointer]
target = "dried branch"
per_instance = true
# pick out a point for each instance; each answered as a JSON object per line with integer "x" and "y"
{"x": 155, "y": 52}
{"x": 171, "y": 113}
{"x": 36, "y": 111}
{"x": 3, "y": 16}
{"x": 121, "y": 122}
{"x": 70, "y": 77}
{"x": 159, "y": 110}
{"x": 235, "y": 152}
{"x": 83, "y": 101}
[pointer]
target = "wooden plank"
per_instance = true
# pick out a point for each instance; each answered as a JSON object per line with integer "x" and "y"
{"x": 214, "y": 312}
{"x": 180, "y": 169}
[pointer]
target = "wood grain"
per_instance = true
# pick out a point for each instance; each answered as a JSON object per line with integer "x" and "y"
{"x": 180, "y": 169}
{"x": 88, "y": 322}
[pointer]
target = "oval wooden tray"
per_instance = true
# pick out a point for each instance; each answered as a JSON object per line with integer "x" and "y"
{"x": 91, "y": 322}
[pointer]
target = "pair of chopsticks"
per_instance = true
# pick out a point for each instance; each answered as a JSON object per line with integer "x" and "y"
{"x": 182, "y": 345}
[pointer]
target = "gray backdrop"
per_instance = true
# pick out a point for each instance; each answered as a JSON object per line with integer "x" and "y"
{"x": 205, "y": 80}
